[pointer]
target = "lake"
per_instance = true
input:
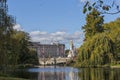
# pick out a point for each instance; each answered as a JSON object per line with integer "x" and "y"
{"x": 68, "y": 73}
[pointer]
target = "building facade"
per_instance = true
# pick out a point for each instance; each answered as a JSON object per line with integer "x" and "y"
{"x": 49, "y": 50}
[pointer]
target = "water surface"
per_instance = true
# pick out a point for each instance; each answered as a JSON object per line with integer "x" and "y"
{"x": 69, "y": 73}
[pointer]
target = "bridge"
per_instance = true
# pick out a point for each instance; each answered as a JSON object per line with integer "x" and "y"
{"x": 51, "y": 61}
{"x": 50, "y": 54}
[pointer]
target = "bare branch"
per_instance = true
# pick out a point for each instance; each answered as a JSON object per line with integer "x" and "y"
{"x": 110, "y": 12}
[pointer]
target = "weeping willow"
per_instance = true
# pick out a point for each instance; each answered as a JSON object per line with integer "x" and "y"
{"x": 96, "y": 51}
{"x": 113, "y": 31}
{"x": 103, "y": 48}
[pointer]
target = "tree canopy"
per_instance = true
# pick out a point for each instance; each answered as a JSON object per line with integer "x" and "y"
{"x": 94, "y": 22}
{"x": 102, "y": 41}
{"x": 14, "y": 45}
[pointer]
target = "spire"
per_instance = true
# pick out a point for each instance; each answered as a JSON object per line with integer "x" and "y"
{"x": 71, "y": 52}
{"x": 71, "y": 45}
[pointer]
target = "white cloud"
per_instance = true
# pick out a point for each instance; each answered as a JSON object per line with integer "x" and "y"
{"x": 78, "y": 33}
{"x": 37, "y": 33}
{"x": 58, "y": 36}
{"x": 64, "y": 37}
{"x": 18, "y": 27}
{"x": 84, "y": 0}
{"x": 58, "y": 33}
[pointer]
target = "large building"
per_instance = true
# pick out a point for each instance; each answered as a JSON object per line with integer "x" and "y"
{"x": 49, "y": 50}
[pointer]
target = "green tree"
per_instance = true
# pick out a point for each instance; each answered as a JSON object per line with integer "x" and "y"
{"x": 14, "y": 45}
{"x": 94, "y": 22}
{"x": 21, "y": 38}
{"x": 6, "y": 29}
{"x": 96, "y": 51}
{"x": 24, "y": 53}
{"x": 67, "y": 52}
{"x": 113, "y": 30}
{"x": 103, "y": 48}
{"x": 32, "y": 57}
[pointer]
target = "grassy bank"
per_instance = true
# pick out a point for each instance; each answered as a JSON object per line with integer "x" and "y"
{"x": 115, "y": 66}
{"x": 97, "y": 66}
{"x": 11, "y": 78}
{"x": 8, "y": 73}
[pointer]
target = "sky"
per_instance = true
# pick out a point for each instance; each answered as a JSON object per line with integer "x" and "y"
{"x": 51, "y": 20}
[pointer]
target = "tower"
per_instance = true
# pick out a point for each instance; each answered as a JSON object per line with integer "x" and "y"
{"x": 71, "y": 45}
{"x": 71, "y": 52}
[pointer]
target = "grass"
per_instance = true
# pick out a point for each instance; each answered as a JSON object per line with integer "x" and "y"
{"x": 11, "y": 78}
{"x": 115, "y": 66}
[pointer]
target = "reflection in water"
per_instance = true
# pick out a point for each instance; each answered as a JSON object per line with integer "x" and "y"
{"x": 69, "y": 73}
{"x": 51, "y": 76}
{"x": 57, "y": 76}
{"x": 99, "y": 74}
{"x": 58, "y": 73}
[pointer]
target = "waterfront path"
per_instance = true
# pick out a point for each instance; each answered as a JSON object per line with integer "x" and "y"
{"x": 59, "y": 60}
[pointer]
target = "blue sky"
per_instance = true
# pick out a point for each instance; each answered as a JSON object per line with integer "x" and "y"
{"x": 51, "y": 19}
{"x": 48, "y": 15}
